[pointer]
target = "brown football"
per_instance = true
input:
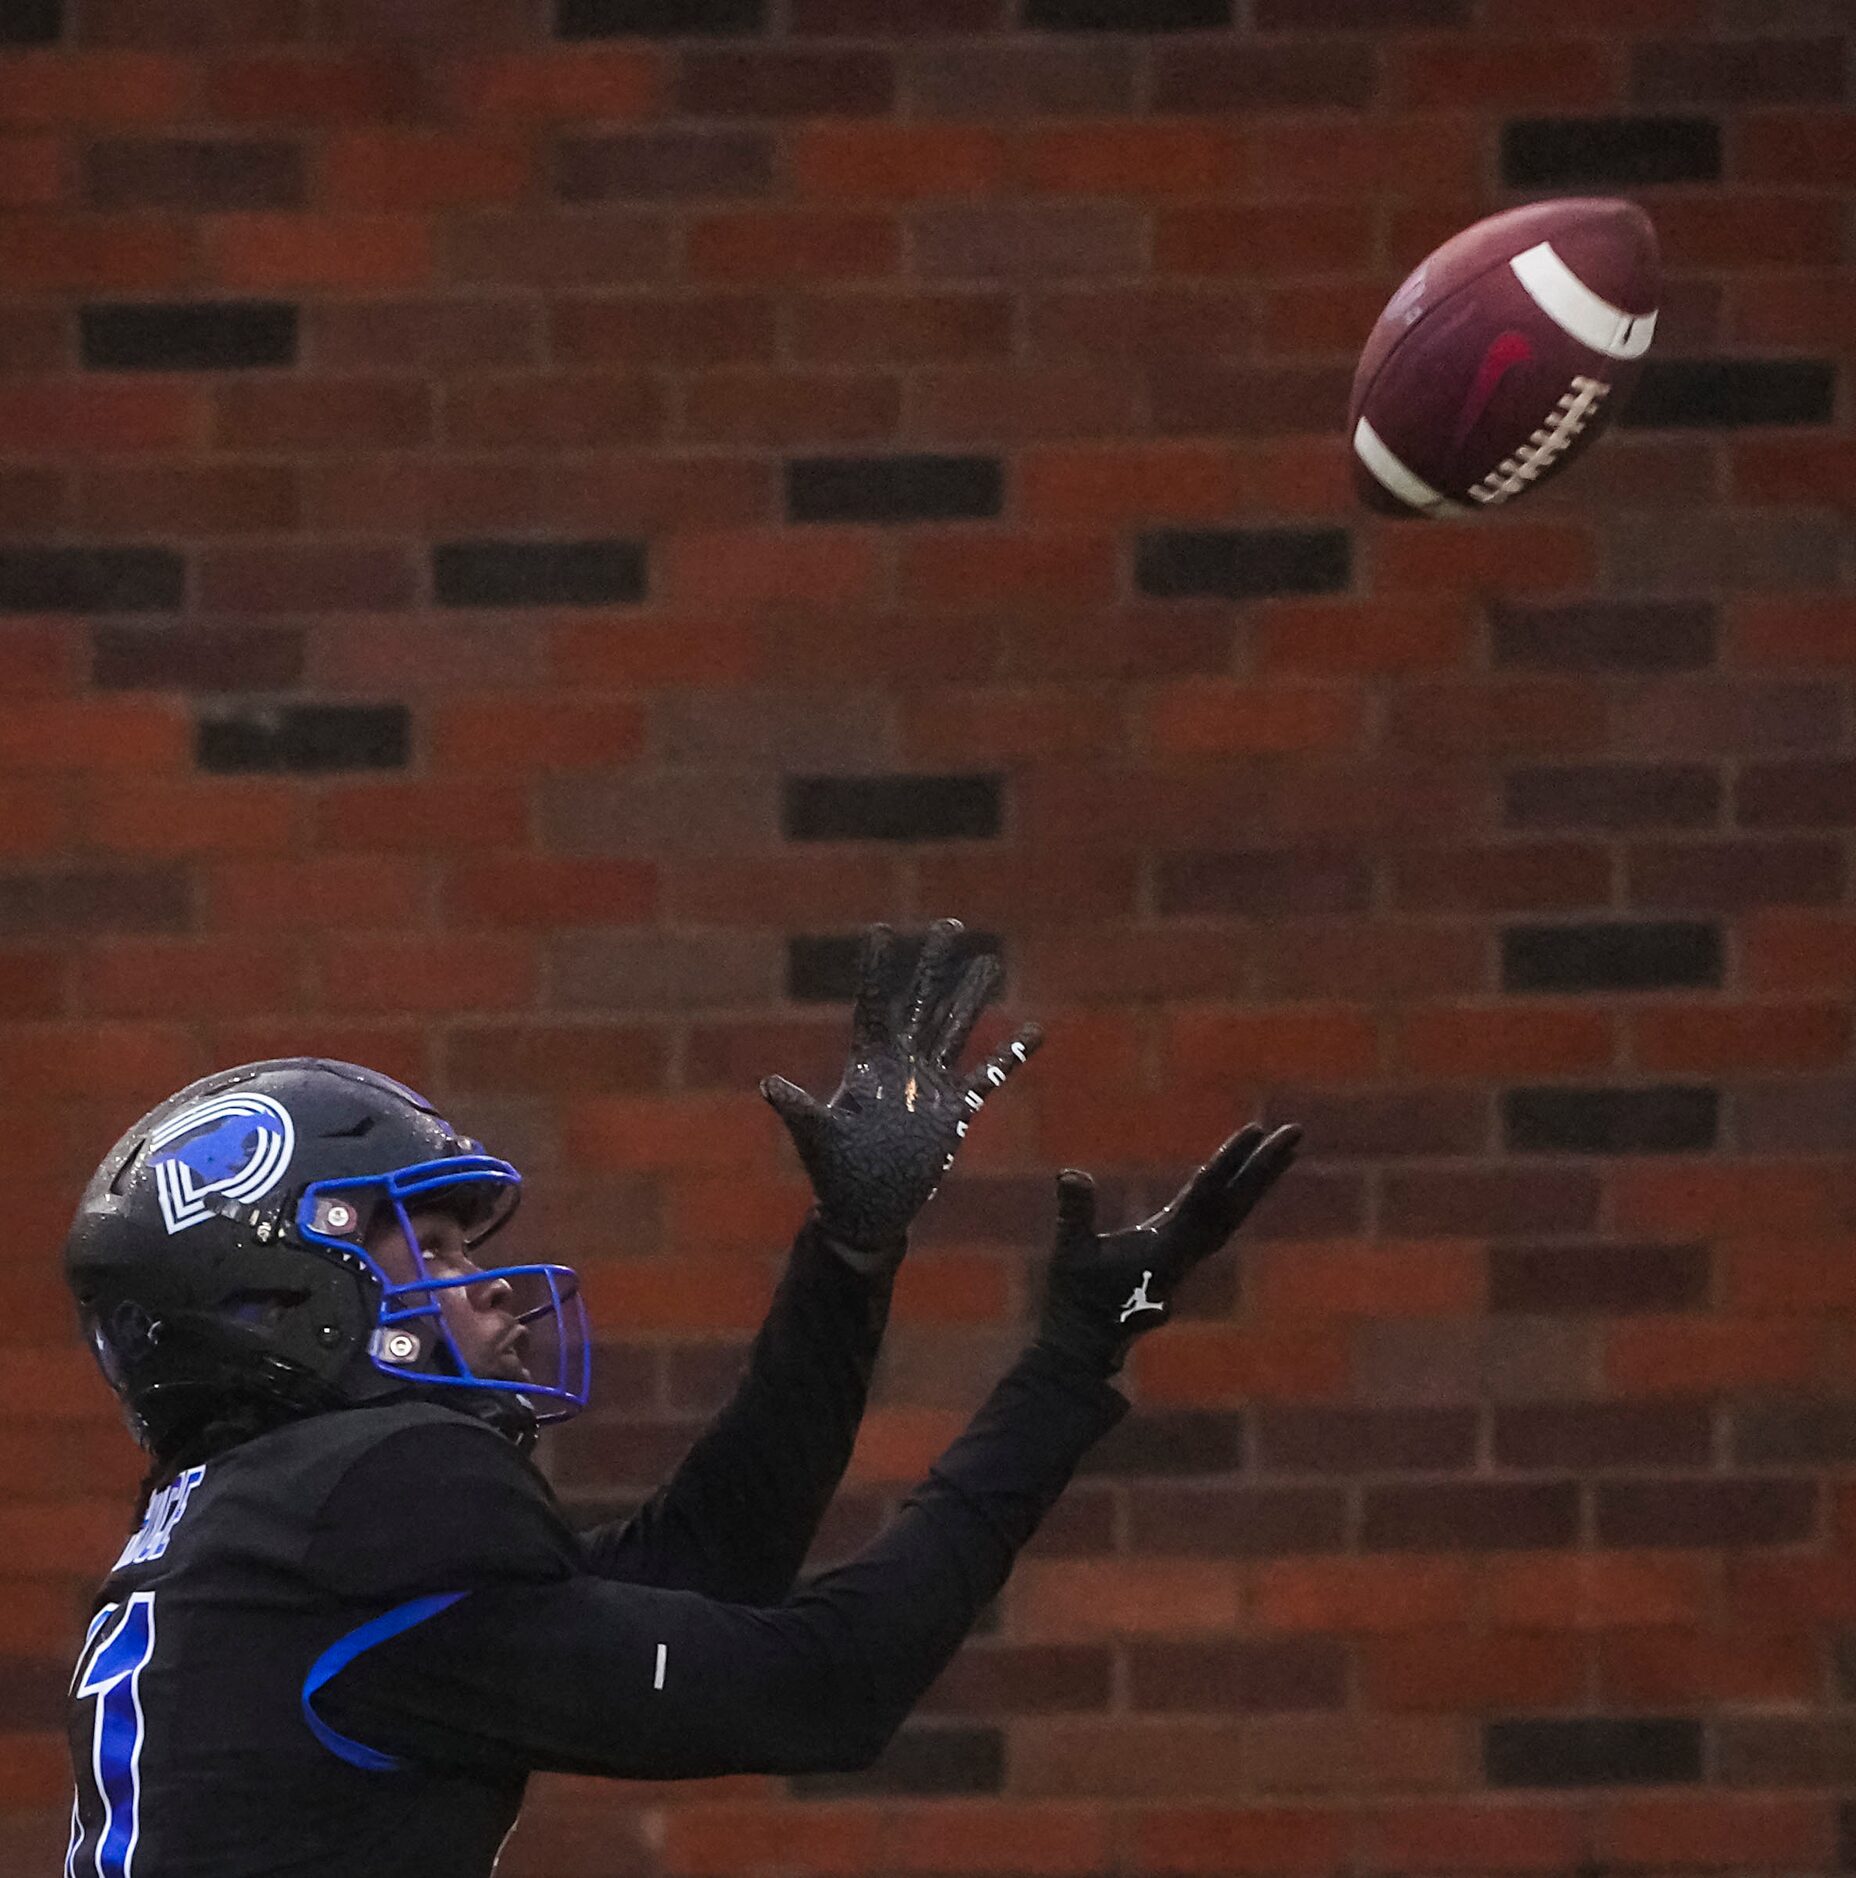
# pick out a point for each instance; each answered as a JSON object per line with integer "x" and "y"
{"x": 1503, "y": 356}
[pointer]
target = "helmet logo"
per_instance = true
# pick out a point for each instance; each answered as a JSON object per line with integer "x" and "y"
{"x": 237, "y": 1145}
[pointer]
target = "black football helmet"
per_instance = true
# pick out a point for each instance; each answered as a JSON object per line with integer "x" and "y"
{"x": 220, "y": 1257}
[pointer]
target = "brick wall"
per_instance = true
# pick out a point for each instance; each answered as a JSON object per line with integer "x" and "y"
{"x": 517, "y": 535}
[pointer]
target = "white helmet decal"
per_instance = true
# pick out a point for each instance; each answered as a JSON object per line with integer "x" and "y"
{"x": 238, "y": 1144}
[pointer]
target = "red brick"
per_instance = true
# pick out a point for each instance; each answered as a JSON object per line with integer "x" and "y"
{"x": 609, "y": 83}
{"x": 562, "y": 411}
{"x": 685, "y": 1294}
{"x": 711, "y": 1841}
{"x": 652, "y": 652}
{"x": 1798, "y": 470}
{"x": 1306, "y": 1043}
{"x": 37, "y": 817}
{"x": 710, "y": 1133}
{"x": 1517, "y": 558}
{"x": 419, "y": 817}
{"x": 1192, "y": 398}
{"x": 782, "y": 83}
{"x": 1253, "y": 1840}
{"x": 1030, "y": 242}
{"x": 70, "y": 87}
{"x": 1796, "y": 951}
{"x": 1484, "y": 1836}
{"x": 32, "y": 171}
{"x": 527, "y": 1057}
{"x": 1504, "y": 1040}
{"x": 917, "y": 327}
{"x": 1000, "y": 725}
{"x": 1121, "y": 1758}
{"x": 1655, "y": 1669}
{"x": 1264, "y": 243}
{"x": 1688, "y": 1355}
{"x": 1448, "y": 73}
{"x": 1026, "y": 889}
{"x": 1790, "y": 1274}
{"x": 1001, "y": 404}
{"x": 128, "y": 1061}
{"x": 331, "y": 578}
{"x": 897, "y": 162}
{"x": 784, "y": 409}
{"x": 1448, "y": 1672}
{"x": 822, "y": 567}
{"x": 32, "y": 983}
{"x": 304, "y": 413}
{"x": 1119, "y": 158}
{"x": 900, "y": 1444}
{"x": 1602, "y": 1591}
{"x": 39, "y": 657}
{"x": 1716, "y": 1832}
{"x": 953, "y": 1837}
{"x": 1712, "y": 1036}
{"x": 382, "y": 169}
{"x": 1361, "y": 1595}
{"x": 1106, "y": 485}
{"x": 1797, "y": 309}
{"x": 95, "y": 253}
{"x": 1035, "y": 569}
{"x": 1800, "y": 630}
{"x": 1389, "y": 1279}
{"x": 183, "y": 818}
{"x": 1123, "y": 1597}
{"x": 538, "y": 890}
{"x": 1404, "y": 158}
{"x": 407, "y": 977}
{"x": 660, "y": 329}
{"x": 540, "y": 249}
{"x": 1745, "y": 231}
{"x": 183, "y": 498}
{"x": 1200, "y": 719}
{"x": 1144, "y": 321}
{"x": 1213, "y": 1366}
{"x": 301, "y": 87}
{"x": 1515, "y": 877}
{"x": 269, "y": 895}
{"x": 126, "y": 978}
{"x": 33, "y": 503}
{"x": 99, "y": 734}
{"x": 536, "y": 735}
{"x": 1553, "y": 716}
{"x": 793, "y": 246}
{"x": 1354, "y": 636}
{"x": 261, "y": 253}
{"x": 98, "y": 417}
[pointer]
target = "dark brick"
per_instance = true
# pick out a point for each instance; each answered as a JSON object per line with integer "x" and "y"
{"x": 1797, "y": 1433}
{"x": 1270, "y": 1677}
{"x": 1237, "y": 1522}
{"x": 32, "y": 1689}
{"x": 1706, "y": 1512}
{"x": 1169, "y": 1441}
{"x": 894, "y": 489}
{"x": 1684, "y": 394}
{"x": 1472, "y": 1202}
{"x": 1612, "y": 795}
{"x": 883, "y": 19}
{"x": 1320, "y": 1203}
{"x": 31, "y": 23}
{"x": 662, "y": 165}
{"x": 1625, "y": 152}
{"x": 1592, "y": 1751}
{"x": 1268, "y": 883}
{"x": 1251, "y": 76}
{"x": 821, "y": 968}
{"x": 1371, "y": 16}
{"x": 1739, "y": 71}
{"x": 203, "y": 336}
{"x": 94, "y": 900}
{"x": 539, "y": 573}
{"x": 91, "y": 580}
{"x": 1565, "y": 1436}
{"x": 196, "y": 658}
{"x": 612, "y": 19}
{"x": 1023, "y": 1679}
{"x": 1476, "y": 1516}
{"x": 1601, "y": 1279}
{"x": 308, "y": 738}
{"x": 1606, "y": 636}
{"x": 1010, "y": 80}
{"x": 1364, "y": 1440}
{"x": 1666, "y": 1120}
{"x": 1612, "y": 956}
{"x": 1393, "y": 1124}
{"x": 891, "y": 808}
{"x": 1126, "y": 16}
{"x": 1242, "y": 564}
{"x": 1800, "y": 794}
{"x": 919, "y": 1760}
{"x": 1733, "y": 876}
{"x": 778, "y": 83}
{"x": 1796, "y": 1116}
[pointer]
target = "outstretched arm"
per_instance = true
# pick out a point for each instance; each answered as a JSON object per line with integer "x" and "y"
{"x": 737, "y": 1518}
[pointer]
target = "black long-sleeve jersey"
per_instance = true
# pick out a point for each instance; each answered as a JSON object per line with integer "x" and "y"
{"x": 341, "y": 1647}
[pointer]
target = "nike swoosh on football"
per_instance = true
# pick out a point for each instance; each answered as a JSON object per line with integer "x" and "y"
{"x": 1506, "y": 351}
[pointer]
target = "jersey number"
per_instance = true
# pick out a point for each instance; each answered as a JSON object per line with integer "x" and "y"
{"x": 121, "y": 1640}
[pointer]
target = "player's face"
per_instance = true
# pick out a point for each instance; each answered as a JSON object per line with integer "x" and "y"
{"x": 482, "y": 1324}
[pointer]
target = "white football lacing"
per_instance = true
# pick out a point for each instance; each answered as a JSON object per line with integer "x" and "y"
{"x": 1551, "y": 441}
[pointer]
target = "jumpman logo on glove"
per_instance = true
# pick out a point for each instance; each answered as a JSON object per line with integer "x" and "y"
{"x": 1138, "y": 1300}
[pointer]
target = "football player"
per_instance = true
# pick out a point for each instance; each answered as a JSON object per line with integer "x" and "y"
{"x": 354, "y": 1619}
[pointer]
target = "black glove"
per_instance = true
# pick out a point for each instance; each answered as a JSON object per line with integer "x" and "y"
{"x": 877, "y": 1151}
{"x": 1105, "y": 1289}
